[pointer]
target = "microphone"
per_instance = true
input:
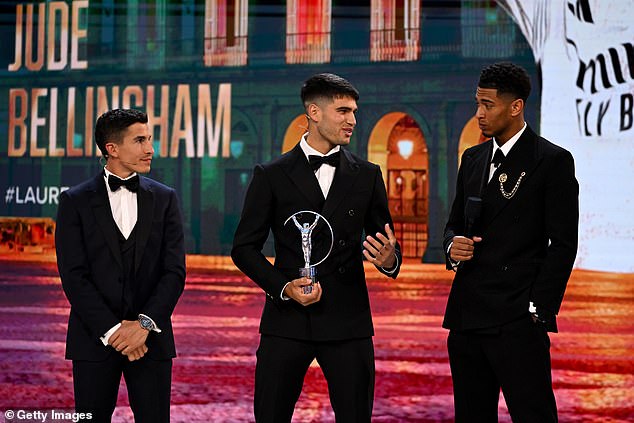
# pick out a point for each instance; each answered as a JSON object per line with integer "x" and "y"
{"x": 472, "y": 211}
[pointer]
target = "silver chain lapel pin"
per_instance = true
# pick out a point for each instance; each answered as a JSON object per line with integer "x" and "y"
{"x": 503, "y": 177}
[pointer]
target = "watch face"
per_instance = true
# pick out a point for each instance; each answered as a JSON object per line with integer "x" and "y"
{"x": 145, "y": 323}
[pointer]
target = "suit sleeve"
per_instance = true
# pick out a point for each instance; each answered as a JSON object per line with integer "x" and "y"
{"x": 561, "y": 217}
{"x": 169, "y": 288}
{"x": 251, "y": 234}
{"x": 74, "y": 271}
{"x": 455, "y": 223}
{"x": 377, "y": 216}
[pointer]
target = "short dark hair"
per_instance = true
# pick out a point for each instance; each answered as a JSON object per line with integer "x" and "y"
{"x": 111, "y": 125}
{"x": 507, "y": 78}
{"x": 328, "y": 86}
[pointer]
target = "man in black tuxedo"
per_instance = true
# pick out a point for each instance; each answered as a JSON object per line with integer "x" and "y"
{"x": 513, "y": 254}
{"x": 121, "y": 259}
{"x": 332, "y": 322}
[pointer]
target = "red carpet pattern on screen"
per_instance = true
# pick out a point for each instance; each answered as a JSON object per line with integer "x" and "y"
{"x": 216, "y": 325}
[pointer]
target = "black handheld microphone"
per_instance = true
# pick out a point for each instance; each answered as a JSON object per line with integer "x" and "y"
{"x": 472, "y": 211}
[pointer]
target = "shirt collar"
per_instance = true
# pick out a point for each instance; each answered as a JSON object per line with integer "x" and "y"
{"x": 310, "y": 151}
{"x": 506, "y": 148}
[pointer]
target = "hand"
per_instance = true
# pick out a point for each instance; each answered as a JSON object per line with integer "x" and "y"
{"x": 462, "y": 248}
{"x": 138, "y": 353}
{"x": 295, "y": 291}
{"x": 129, "y": 337}
{"x": 380, "y": 252}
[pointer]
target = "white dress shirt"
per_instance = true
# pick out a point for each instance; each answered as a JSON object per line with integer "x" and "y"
{"x": 123, "y": 204}
{"x": 506, "y": 149}
{"x": 326, "y": 173}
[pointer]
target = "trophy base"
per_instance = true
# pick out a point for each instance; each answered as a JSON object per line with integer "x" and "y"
{"x": 308, "y": 272}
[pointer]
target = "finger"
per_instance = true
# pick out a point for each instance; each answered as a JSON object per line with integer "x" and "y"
{"x": 370, "y": 258}
{"x": 390, "y": 234}
{"x": 371, "y": 251}
{"x": 383, "y": 238}
{"x": 462, "y": 251}
{"x": 477, "y": 239}
{"x": 300, "y": 282}
{"x": 374, "y": 241}
{"x": 462, "y": 241}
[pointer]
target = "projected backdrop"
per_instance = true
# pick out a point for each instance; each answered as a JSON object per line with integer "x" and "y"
{"x": 220, "y": 82}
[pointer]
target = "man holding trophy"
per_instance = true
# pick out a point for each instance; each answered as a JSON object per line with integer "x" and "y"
{"x": 318, "y": 200}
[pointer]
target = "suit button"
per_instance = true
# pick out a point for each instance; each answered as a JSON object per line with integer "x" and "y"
{"x": 342, "y": 270}
{"x": 505, "y": 268}
{"x": 351, "y": 212}
{"x": 342, "y": 242}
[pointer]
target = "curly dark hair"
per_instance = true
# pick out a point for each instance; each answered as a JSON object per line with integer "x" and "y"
{"x": 507, "y": 78}
{"x": 111, "y": 125}
{"x": 328, "y": 86}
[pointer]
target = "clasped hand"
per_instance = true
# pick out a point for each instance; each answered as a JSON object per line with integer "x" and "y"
{"x": 295, "y": 290}
{"x": 130, "y": 339}
{"x": 462, "y": 248}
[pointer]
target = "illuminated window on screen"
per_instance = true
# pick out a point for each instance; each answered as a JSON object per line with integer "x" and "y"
{"x": 226, "y": 23}
{"x": 308, "y": 24}
{"x": 395, "y": 30}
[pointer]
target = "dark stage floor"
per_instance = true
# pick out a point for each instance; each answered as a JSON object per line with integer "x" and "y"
{"x": 216, "y": 333}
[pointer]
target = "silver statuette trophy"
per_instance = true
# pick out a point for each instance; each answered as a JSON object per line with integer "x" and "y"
{"x": 306, "y": 231}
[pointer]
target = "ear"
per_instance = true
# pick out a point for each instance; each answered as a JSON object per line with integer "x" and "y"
{"x": 314, "y": 112}
{"x": 112, "y": 149}
{"x": 517, "y": 107}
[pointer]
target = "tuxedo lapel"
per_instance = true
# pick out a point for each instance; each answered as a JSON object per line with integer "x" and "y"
{"x": 299, "y": 171}
{"x": 477, "y": 176}
{"x": 145, "y": 201}
{"x": 522, "y": 158}
{"x": 103, "y": 216}
{"x": 344, "y": 179}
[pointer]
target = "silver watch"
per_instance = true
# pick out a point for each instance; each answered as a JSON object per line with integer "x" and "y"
{"x": 147, "y": 323}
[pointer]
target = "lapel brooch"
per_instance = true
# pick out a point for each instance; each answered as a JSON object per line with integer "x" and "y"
{"x": 503, "y": 178}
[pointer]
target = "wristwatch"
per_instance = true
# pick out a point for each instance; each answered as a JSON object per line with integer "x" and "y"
{"x": 147, "y": 323}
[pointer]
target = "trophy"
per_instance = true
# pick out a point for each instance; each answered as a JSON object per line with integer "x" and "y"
{"x": 306, "y": 231}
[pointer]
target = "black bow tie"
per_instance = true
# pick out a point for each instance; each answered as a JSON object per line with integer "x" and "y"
{"x": 316, "y": 161}
{"x": 498, "y": 158}
{"x": 131, "y": 184}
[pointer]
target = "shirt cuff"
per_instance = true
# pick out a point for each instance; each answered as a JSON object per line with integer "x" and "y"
{"x": 282, "y": 296}
{"x": 453, "y": 263}
{"x": 531, "y": 308}
{"x": 108, "y": 334}
{"x": 156, "y": 328}
{"x": 393, "y": 269}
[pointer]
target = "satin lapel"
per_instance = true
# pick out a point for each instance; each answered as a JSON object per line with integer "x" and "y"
{"x": 145, "y": 201}
{"x": 522, "y": 158}
{"x": 298, "y": 170}
{"x": 103, "y": 215}
{"x": 344, "y": 179}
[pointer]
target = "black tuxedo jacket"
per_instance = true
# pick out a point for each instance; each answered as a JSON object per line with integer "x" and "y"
{"x": 356, "y": 202}
{"x": 529, "y": 241}
{"x": 91, "y": 268}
